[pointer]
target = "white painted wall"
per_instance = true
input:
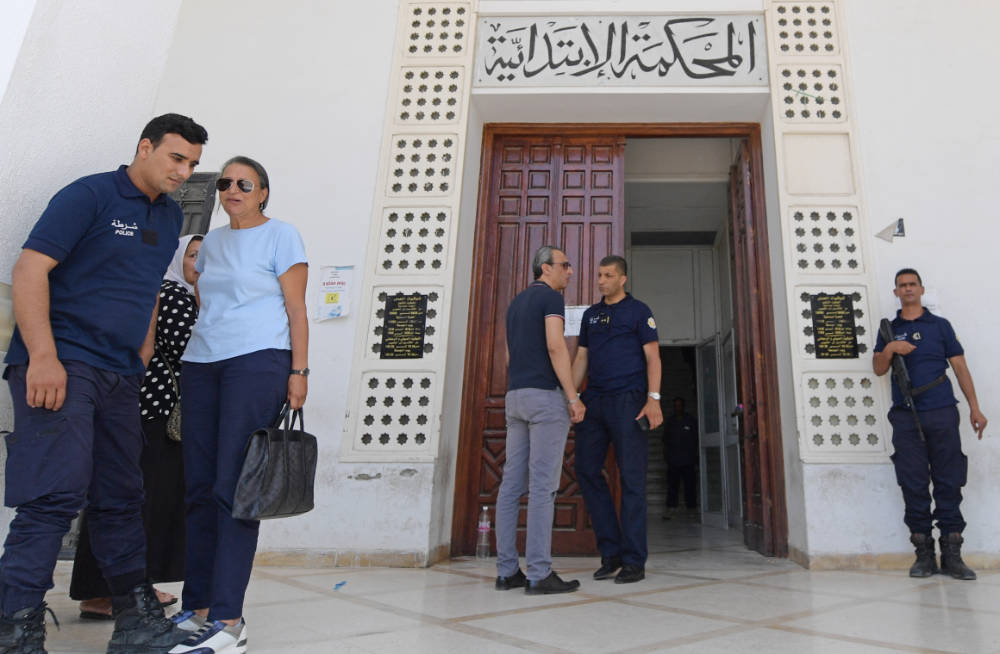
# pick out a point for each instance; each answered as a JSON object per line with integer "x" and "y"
{"x": 301, "y": 87}
{"x": 14, "y": 18}
{"x": 80, "y": 90}
{"x": 928, "y": 140}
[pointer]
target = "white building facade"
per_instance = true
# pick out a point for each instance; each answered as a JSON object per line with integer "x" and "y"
{"x": 391, "y": 132}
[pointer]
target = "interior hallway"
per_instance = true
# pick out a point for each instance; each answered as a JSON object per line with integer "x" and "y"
{"x": 704, "y": 593}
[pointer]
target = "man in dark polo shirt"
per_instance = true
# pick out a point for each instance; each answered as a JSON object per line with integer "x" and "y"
{"x": 927, "y": 344}
{"x": 541, "y": 402}
{"x": 84, "y": 290}
{"x": 619, "y": 353}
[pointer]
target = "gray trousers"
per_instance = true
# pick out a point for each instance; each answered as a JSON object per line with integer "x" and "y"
{"x": 537, "y": 426}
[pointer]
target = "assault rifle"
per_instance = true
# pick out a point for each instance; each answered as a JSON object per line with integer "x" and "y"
{"x": 901, "y": 375}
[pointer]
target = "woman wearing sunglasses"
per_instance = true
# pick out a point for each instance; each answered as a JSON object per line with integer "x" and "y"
{"x": 246, "y": 357}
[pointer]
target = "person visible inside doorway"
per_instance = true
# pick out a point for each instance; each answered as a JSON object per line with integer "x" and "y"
{"x": 928, "y": 446}
{"x": 619, "y": 354}
{"x": 540, "y": 404}
{"x": 680, "y": 449}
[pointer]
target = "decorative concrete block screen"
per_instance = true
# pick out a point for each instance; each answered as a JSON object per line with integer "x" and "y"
{"x": 841, "y": 405}
{"x": 395, "y": 403}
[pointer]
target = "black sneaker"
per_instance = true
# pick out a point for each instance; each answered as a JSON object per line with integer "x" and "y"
{"x": 609, "y": 565}
{"x": 143, "y": 628}
{"x": 24, "y": 632}
{"x": 551, "y": 585}
{"x": 630, "y": 574}
{"x": 516, "y": 580}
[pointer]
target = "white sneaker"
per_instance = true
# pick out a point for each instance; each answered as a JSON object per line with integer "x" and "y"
{"x": 215, "y": 637}
{"x": 188, "y": 620}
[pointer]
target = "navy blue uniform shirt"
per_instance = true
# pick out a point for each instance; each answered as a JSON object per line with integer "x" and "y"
{"x": 614, "y": 335}
{"x": 530, "y": 365}
{"x": 113, "y": 246}
{"x": 935, "y": 341}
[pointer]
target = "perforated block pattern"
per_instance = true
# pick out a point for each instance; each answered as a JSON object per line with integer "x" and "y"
{"x": 842, "y": 412}
{"x": 413, "y": 240}
{"x": 422, "y": 165}
{"x": 437, "y": 30}
{"x": 395, "y": 411}
{"x": 826, "y": 240}
{"x": 812, "y": 94}
{"x": 430, "y": 96}
{"x": 805, "y": 28}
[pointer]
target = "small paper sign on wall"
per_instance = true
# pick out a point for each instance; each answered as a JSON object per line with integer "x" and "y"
{"x": 574, "y": 317}
{"x": 334, "y": 298}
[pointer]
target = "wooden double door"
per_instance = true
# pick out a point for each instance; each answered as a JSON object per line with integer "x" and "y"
{"x": 563, "y": 187}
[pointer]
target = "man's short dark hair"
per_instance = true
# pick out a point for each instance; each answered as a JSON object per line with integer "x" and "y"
{"x": 907, "y": 271}
{"x": 177, "y": 124}
{"x": 617, "y": 261}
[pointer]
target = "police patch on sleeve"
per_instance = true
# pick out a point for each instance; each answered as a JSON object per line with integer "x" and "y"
{"x": 651, "y": 323}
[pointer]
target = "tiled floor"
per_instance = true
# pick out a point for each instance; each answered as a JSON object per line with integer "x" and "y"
{"x": 704, "y": 593}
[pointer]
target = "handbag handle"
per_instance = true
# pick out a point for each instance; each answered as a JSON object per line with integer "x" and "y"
{"x": 282, "y": 420}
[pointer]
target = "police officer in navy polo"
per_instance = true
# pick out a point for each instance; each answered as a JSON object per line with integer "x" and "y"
{"x": 927, "y": 344}
{"x": 619, "y": 354}
{"x": 85, "y": 289}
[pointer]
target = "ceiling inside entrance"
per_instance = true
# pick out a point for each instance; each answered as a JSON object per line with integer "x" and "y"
{"x": 676, "y": 185}
{"x": 675, "y": 206}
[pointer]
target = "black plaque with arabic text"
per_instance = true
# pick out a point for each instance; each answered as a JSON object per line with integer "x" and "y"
{"x": 834, "y": 332}
{"x": 403, "y": 326}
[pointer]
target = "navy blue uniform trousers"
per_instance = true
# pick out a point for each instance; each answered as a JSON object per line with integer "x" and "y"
{"x": 224, "y": 402}
{"x": 938, "y": 460}
{"x": 59, "y": 460}
{"x": 610, "y": 419}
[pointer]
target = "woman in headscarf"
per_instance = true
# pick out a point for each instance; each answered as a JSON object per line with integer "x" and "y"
{"x": 162, "y": 462}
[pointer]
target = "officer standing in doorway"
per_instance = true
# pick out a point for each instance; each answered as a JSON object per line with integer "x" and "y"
{"x": 619, "y": 354}
{"x": 927, "y": 344}
{"x": 680, "y": 448}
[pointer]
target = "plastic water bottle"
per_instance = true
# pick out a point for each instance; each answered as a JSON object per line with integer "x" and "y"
{"x": 483, "y": 541}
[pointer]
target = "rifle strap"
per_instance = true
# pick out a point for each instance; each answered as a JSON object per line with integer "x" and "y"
{"x": 928, "y": 386}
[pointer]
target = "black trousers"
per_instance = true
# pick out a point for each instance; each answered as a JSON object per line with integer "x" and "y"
{"x": 688, "y": 475}
{"x": 162, "y": 514}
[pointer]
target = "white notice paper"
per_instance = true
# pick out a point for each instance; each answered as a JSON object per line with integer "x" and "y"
{"x": 334, "y": 292}
{"x": 574, "y": 316}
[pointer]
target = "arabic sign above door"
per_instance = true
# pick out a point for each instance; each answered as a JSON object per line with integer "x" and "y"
{"x": 621, "y": 51}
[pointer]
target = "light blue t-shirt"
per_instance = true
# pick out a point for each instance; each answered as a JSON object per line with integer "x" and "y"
{"x": 242, "y": 306}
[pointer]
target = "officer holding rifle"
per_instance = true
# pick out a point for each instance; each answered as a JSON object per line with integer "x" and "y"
{"x": 918, "y": 346}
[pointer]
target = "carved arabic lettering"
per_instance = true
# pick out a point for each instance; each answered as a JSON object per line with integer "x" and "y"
{"x": 620, "y": 50}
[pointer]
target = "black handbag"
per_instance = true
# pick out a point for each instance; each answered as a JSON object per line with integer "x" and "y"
{"x": 279, "y": 468}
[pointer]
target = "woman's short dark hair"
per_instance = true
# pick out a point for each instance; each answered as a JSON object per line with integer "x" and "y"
{"x": 257, "y": 168}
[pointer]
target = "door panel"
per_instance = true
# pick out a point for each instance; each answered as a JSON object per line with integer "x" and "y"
{"x": 764, "y": 520}
{"x": 566, "y": 191}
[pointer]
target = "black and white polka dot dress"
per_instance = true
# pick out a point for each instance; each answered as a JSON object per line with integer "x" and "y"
{"x": 177, "y": 315}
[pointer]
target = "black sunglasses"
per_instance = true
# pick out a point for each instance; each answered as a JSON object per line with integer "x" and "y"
{"x": 565, "y": 264}
{"x": 224, "y": 183}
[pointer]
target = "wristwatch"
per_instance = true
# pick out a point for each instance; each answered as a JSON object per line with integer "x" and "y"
{"x": 304, "y": 372}
{"x": 655, "y": 396}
